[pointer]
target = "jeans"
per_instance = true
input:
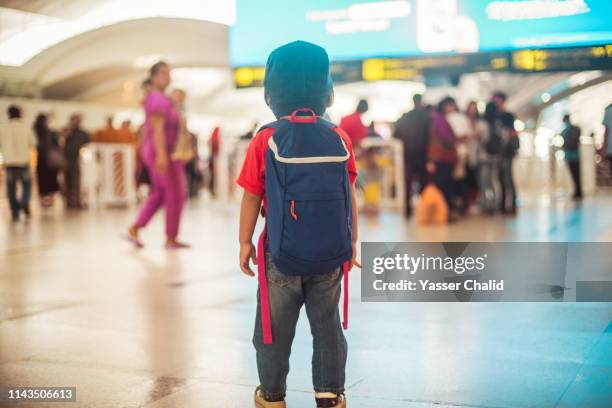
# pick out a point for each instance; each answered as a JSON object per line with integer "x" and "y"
{"x": 486, "y": 175}
{"x": 506, "y": 179}
{"x": 320, "y": 294}
{"x": 16, "y": 175}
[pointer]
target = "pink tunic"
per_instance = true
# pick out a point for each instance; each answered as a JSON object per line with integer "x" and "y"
{"x": 158, "y": 103}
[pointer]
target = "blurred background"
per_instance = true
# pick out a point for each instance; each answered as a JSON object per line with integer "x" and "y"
{"x": 549, "y": 58}
{"x": 535, "y": 74}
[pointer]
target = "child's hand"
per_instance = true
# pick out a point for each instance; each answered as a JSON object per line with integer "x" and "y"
{"x": 247, "y": 252}
{"x": 354, "y": 261}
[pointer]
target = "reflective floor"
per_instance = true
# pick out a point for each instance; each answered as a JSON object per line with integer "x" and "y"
{"x": 152, "y": 328}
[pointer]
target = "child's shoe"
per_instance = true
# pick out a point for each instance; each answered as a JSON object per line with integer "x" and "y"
{"x": 338, "y": 401}
{"x": 260, "y": 402}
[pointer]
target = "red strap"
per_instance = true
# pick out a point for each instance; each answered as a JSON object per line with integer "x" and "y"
{"x": 345, "y": 270}
{"x": 264, "y": 299}
{"x": 293, "y": 214}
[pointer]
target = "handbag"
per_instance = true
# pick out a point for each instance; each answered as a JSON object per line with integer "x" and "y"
{"x": 432, "y": 207}
{"x": 183, "y": 149}
{"x": 56, "y": 159}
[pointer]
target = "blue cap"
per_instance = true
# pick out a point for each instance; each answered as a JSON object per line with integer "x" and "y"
{"x": 298, "y": 76}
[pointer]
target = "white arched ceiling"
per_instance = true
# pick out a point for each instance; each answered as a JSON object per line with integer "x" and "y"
{"x": 106, "y": 64}
{"x": 133, "y": 45}
{"x": 27, "y": 27}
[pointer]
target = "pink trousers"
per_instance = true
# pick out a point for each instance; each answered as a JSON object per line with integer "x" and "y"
{"x": 167, "y": 190}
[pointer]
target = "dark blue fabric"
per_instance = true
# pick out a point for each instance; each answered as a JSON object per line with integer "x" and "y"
{"x": 298, "y": 76}
{"x": 321, "y": 237}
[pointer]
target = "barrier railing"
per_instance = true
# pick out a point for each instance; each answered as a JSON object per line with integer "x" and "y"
{"x": 107, "y": 174}
{"x": 392, "y": 186}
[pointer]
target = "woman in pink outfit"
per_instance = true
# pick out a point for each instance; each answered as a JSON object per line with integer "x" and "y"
{"x": 168, "y": 189}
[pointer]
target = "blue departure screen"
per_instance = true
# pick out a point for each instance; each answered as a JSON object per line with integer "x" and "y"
{"x": 352, "y": 30}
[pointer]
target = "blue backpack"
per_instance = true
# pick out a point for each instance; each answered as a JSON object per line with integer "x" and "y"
{"x": 309, "y": 214}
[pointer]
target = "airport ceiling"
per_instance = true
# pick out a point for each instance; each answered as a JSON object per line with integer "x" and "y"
{"x": 100, "y": 61}
{"x": 63, "y": 9}
{"x": 106, "y": 63}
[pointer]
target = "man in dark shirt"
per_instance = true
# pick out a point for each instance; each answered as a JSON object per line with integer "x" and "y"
{"x": 74, "y": 140}
{"x": 412, "y": 128}
{"x": 571, "y": 148}
{"x": 503, "y": 125}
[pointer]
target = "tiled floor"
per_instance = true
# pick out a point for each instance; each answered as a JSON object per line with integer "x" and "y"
{"x": 151, "y": 328}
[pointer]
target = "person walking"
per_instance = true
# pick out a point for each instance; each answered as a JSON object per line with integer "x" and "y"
{"x": 488, "y": 157}
{"x": 162, "y": 125}
{"x": 214, "y": 149}
{"x": 477, "y": 131}
{"x": 49, "y": 160}
{"x": 353, "y": 124}
{"x": 193, "y": 172}
{"x": 442, "y": 151}
{"x": 185, "y": 148}
{"x": 412, "y": 128}
{"x": 74, "y": 140}
{"x": 503, "y": 128}
{"x": 16, "y": 144}
{"x": 571, "y": 148}
{"x": 461, "y": 128}
{"x": 606, "y": 148}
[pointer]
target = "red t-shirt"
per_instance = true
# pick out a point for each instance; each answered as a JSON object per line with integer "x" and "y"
{"x": 253, "y": 174}
{"x": 354, "y": 128}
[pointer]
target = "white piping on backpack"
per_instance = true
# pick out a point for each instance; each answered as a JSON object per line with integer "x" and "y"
{"x": 313, "y": 159}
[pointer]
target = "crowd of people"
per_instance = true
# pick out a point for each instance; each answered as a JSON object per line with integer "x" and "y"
{"x": 57, "y": 161}
{"x": 466, "y": 155}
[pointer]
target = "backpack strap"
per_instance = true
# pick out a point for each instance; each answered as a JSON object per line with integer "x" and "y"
{"x": 345, "y": 273}
{"x": 264, "y": 299}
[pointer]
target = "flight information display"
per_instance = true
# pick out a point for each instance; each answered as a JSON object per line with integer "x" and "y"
{"x": 357, "y": 30}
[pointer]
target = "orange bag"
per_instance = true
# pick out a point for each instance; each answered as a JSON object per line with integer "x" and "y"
{"x": 432, "y": 207}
